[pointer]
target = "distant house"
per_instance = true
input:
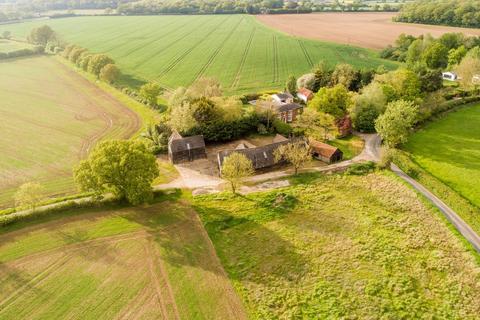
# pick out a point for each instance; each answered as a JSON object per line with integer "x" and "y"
{"x": 288, "y": 112}
{"x": 185, "y": 149}
{"x": 325, "y": 152}
{"x": 282, "y": 98}
{"x": 261, "y": 157}
{"x": 449, "y": 76}
{"x": 304, "y": 94}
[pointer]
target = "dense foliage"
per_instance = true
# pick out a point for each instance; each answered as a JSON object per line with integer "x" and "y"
{"x": 464, "y": 13}
{"x": 125, "y": 168}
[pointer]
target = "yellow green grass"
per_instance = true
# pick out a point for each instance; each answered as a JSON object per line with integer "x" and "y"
{"x": 333, "y": 247}
{"x": 243, "y": 54}
{"x": 51, "y": 118}
{"x": 7, "y": 46}
{"x": 151, "y": 262}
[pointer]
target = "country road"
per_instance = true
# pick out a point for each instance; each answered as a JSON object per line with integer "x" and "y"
{"x": 451, "y": 215}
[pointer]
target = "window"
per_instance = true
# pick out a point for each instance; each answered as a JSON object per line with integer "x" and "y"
{"x": 290, "y": 116}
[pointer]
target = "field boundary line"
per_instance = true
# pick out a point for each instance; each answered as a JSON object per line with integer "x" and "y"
{"x": 217, "y": 51}
{"x": 176, "y": 61}
{"x": 244, "y": 58}
{"x": 305, "y": 52}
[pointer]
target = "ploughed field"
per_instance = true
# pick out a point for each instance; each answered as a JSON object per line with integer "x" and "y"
{"x": 153, "y": 262}
{"x": 373, "y": 30}
{"x": 333, "y": 247}
{"x": 174, "y": 51}
{"x": 51, "y": 117}
{"x": 449, "y": 149}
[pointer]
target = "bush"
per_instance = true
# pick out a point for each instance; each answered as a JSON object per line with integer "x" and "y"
{"x": 282, "y": 128}
{"x": 220, "y": 130}
{"x": 359, "y": 169}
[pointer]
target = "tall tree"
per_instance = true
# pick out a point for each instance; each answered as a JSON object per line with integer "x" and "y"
{"x": 316, "y": 125}
{"x": 394, "y": 125}
{"x": 150, "y": 92}
{"x": 334, "y": 101}
{"x": 295, "y": 153}
{"x": 109, "y": 73}
{"x": 41, "y": 35}
{"x": 125, "y": 168}
{"x": 291, "y": 85}
{"x": 97, "y": 62}
{"x": 235, "y": 168}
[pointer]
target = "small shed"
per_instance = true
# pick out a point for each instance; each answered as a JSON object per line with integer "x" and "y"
{"x": 450, "y": 76}
{"x": 185, "y": 149}
{"x": 304, "y": 94}
{"x": 325, "y": 152}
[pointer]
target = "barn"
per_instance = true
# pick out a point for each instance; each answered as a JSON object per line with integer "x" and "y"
{"x": 262, "y": 157}
{"x": 325, "y": 152}
{"x": 185, "y": 149}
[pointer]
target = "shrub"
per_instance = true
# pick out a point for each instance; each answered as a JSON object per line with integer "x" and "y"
{"x": 282, "y": 128}
{"x": 359, "y": 169}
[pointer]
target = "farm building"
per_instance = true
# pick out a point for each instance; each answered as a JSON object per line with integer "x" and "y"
{"x": 304, "y": 94}
{"x": 261, "y": 157}
{"x": 282, "y": 98}
{"x": 184, "y": 149}
{"x": 325, "y": 152}
{"x": 288, "y": 112}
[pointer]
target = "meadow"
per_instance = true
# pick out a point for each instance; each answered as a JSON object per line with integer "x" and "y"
{"x": 243, "y": 54}
{"x": 449, "y": 149}
{"x": 7, "y": 46}
{"x": 51, "y": 118}
{"x": 109, "y": 262}
{"x": 333, "y": 247}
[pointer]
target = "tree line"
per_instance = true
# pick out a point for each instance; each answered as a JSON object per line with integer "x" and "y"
{"x": 462, "y": 13}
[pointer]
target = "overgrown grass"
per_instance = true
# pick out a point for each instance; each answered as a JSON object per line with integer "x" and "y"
{"x": 342, "y": 247}
{"x": 351, "y": 146}
{"x": 242, "y": 53}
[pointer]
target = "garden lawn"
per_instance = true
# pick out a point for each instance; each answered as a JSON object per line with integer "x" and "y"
{"x": 356, "y": 247}
{"x": 449, "y": 149}
{"x": 153, "y": 262}
{"x": 243, "y": 54}
{"x": 51, "y": 118}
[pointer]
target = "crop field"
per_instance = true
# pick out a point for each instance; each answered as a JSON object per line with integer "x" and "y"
{"x": 373, "y": 30}
{"x": 241, "y": 53}
{"x": 51, "y": 118}
{"x": 449, "y": 149}
{"x": 334, "y": 247}
{"x": 7, "y": 46}
{"x": 154, "y": 262}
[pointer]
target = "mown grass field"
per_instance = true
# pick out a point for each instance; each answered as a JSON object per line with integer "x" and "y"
{"x": 153, "y": 262}
{"x": 334, "y": 247}
{"x": 449, "y": 149}
{"x": 51, "y": 118}
{"x": 243, "y": 54}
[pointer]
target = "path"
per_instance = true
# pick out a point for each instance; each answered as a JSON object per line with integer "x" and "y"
{"x": 451, "y": 215}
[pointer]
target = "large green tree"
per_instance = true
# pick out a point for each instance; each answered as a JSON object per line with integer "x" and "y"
{"x": 125, "y": 168}
{"x": 150, "y": 92}
{"x": 42, "y": 35}
{"x": 334, "y": 101}
{"x": 97, "y": 62}
{"x": 394, "y": 125}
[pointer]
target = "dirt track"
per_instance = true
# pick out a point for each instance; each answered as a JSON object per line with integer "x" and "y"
{"x": 372, "y": 30}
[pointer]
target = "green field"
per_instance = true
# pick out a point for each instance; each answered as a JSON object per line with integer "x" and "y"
{"x": 153, "y": 262}
{"x": 7, "y": 46}
{"x": 51, "y": 118}
{"x": 175, "y": 50}
{"x": 449, "y": 149}
{"x": 342, "y": 247}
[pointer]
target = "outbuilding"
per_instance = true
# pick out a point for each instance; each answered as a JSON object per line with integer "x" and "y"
{"x": 282, "y": 98}
{"x": 185, "y": 149}
{"x": 325, "y": 152}
{"x": 261, "y": 157}
{"x": 304, "y": 94}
